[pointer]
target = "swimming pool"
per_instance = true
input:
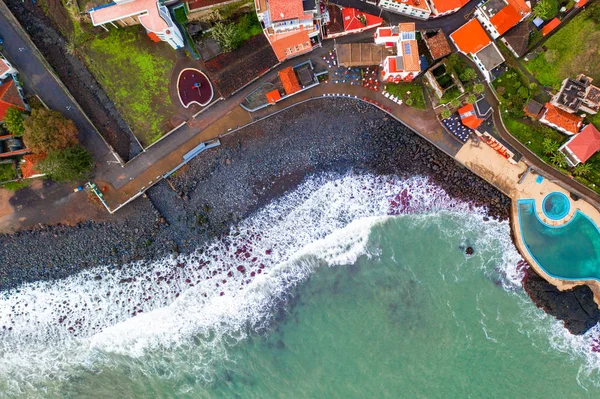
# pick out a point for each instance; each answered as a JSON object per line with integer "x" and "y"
{"x": 568, "y": 252}
{"x": 556, "y": 205}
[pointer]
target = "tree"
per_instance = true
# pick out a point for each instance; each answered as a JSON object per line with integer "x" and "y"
{"x": 409, "y": 101}
{"x": 13, "y": 121}
{"x": 523, "y": 92}
{"x": 549, "y": 146}
{"x": 67, "y": 164}
{"x": 582, "y": 169}
{"x": 46, "y": 130}
{"x": 478, "y": 88}
{"x": 445, "y": 113}
{"x": 558, "y": 159}
{"x": 455, "y": 102}
{"x": 550, "y": 56}
{"x": 533, "y": 87}
{"x": 471, "y": 99}
{"x": 228, "y": 36}
{"x": 468, "y": 74}
{"x": 546, "y": 9}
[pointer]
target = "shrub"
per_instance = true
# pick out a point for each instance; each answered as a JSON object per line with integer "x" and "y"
{"x": 533, "y": 87}
{"x": 478, "y": 88}
{"x": 46, "y": 130}
{"x": 523, "y": 92}
{"x": 549, "y": 146}
{"x": 228, "y": 36}
{"x": 455, "y": 102}
{"x": 582, "y": 169}
{"x": 409, "y": 101}
{"x": 471, "y": 99}
{"x": 546, "y": 9}
{"x": 468, "y": 74}
{"x": 445, "y": 113}
{"x": 67, "y": 164}
{"x": 13, "y": 121}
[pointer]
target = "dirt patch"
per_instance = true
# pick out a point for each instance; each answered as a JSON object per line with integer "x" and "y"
{"x": 231, "y": 71}
{"x": 82, "y": 85}
{"x": 5, "y": 207}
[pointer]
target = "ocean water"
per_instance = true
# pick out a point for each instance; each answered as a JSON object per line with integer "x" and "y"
{"x": 349, "y": 286}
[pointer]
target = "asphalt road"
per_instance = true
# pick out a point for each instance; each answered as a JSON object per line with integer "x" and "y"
{"x": 36, "y": 78}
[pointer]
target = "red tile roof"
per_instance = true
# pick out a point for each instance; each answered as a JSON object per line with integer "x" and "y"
{"x": 563, "y": 119}
{"x": 471, "y": 37}
{"x": 3, "y": 66}
{"x": 289, "y": 80}
{"x": 28, "y": 168}
{"x": 521, "y": 6}
{"x": 273, "y": 96}
{"x": 506, "y": 18}
{"x": 196, "y": 4}
{"x": 351, "y": 21}
{"x": 438, "y": 45}
{"x": 281, "y": 10}
{"x": 10, "y": 97}
{"x": 468, "y": 117}
{"x": 586, "y": 143}
{"x": 281, "y": 43}
{"x": 549, "y": 27}
{"x": 447, "y": 5}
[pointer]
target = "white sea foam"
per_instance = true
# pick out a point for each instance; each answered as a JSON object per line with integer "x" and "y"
{"x": 52, "y": 330}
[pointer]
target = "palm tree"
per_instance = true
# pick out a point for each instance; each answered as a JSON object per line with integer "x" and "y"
{"x": 549, "y": 146}
{"x": 582, "y": 169}
{"x": 558, "y": 159}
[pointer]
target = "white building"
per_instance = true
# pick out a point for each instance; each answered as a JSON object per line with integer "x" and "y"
{"x": 6, "y": 69}
{"x": 499, "y": 16}
{"x": 151, "y": 14}
{"x": 404, "y": 65}
{"x": 439, "y": 8}
{"x": 413, "y": 8}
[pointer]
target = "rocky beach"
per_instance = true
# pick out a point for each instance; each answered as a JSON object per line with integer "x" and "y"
{"x": 225, "y": 185}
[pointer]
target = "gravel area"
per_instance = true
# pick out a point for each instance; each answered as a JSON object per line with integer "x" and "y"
{"x": 226, "y": 184}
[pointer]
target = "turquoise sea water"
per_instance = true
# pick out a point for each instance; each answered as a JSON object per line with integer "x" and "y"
{"x": 568, "y": 251}
{"x": 365, "y": 291}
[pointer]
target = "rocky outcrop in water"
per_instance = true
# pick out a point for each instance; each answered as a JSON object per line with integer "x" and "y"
{"x": 576, "y": 307}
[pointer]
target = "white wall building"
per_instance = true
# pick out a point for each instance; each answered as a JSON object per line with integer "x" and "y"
{"x": 413, "y": 8}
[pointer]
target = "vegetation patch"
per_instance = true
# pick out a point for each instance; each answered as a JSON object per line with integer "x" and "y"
{"x": 7, "y": 172}
{"x": 514, "y": 92}
{"x": 410, "y": 93}
{"x": 573, "y": 49}
{"x": 135, "y": 73}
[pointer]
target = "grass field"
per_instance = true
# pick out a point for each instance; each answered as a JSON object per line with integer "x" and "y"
{"x": 135, "y": 73}
{"x": 575, "y": 49}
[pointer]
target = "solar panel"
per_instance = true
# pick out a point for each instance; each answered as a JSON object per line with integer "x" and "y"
{"x": 408, "y": 36}
{"x": 407, "y": 48}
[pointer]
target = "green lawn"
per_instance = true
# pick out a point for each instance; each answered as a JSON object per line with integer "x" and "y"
{"x": 135, "y": 73}
{"x": 531, "y": 133}
{"x": 402, "y": 90}
{"x": 575, "y": 49}
{"x": 7, "y": 172}
{"x": 17, "y": 185}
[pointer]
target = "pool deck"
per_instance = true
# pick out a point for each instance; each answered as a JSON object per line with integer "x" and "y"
{"x": 491, "y": 166}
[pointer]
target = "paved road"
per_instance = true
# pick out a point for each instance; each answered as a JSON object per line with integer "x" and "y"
{"x": 38, "y": 79}
{"x": 448, "y": 23}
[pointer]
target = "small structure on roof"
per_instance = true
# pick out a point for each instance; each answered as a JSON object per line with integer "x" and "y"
{"x": 517, "y": 39}
{"x": 533, "y": 109}
{"x": 550, "y": 26}
{"x": 471, "y": 39}
{"x": 151, "y": 14}
{"x": 437, "y": 44}
{"x": 499, "y": 16}
{"x": 561, "y": 120}
{"x": 582, "y": 146}
{"x": 578, "y": 95}
{"x": 359, "y": 54}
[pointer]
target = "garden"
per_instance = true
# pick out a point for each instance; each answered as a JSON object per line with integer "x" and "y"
{"x": 135, "y": 73}
{"x": 573, "y": 49}
{"x": 410, "y": 93}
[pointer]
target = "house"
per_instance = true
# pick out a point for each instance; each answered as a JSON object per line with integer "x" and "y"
{"x": 517, "y": 39}
{"x": 6, "y": 69}
{"x": 469, "y": 117}
{"x": 499, "y": 16}
{"x": 359, "y": 54}
{"x": 10, "y": 96}
{"x": 437, "y": 44}
{"x": 471, "y": 39}
{"x": 151, "y": 14}
{"x": 440, "y": 8}
{"x": 412, "y": 8}
{"x": 203, "y": 5}
{"x": 289, "y": 80}
{"x": 402, "y": 40}
{"x": 533, "y": 109}
{"x": 581, "y": 146}
{"x": 550, "y": 26}
{"x": 291, "y": 26}
{"x": 340, "y": 21}
{"x": 561, "y": 120}
{"x": 577, "y": 95}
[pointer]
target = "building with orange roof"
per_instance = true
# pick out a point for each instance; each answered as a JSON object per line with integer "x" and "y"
{"x": 471, "y": 39}
{"x": 151, "y": 14}
{"x": 6, "y": 69}
{"x": 339, "y": 21}
{"x": 273, "y": 96}
{"x": 440, "y": 8}
{"x": 10, "y": 96}
{"x": 29, "y": 165}
{"x": 289, "y": 80}
{"x": 550, "y": 26}
{"x": 469, "y": 117}
{"x": 405, "y": 63}
{"x": 412, "y": 8}
{"x": 561, "y": 120}
{"x": 291, "y": 26}
{"x": 499, "y": 16}
{"x": 582, "y": 146}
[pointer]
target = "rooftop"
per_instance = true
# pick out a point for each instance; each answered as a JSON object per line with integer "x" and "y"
{"x": 490, "y": 56}
{"x": 281, "y": 43}
{"x": 533, "y": 108}
{"x": 289, "y": 80}
{"x": 336, "y": 19}
{"x": 3, "y": 66}
{"x": 505, "y": 19}
{"x": 438, "y": 45}
{"x": 281, "y": 10}
{"x": 197, "y": 4}
{"x": 419, "y": 4}
{"x": 151, "y": 18}
{"x": 447, "y": 5}
{"x": 352, "y": 21}
{"x": 359, "y": 54}
{"x": 468, "y": 116}
{"x": 571, "y": 94}
{"x": 518, "y": 37}
{"x": 562, "y": 119}
{"x": 471, "y": 37}
{"x": 549, "y": 27}
{"x": 586, "y": 143}
{"x": 10, "y": 97}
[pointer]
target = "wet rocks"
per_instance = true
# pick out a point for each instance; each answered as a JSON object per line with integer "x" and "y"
{"x": 576, "y": 307}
